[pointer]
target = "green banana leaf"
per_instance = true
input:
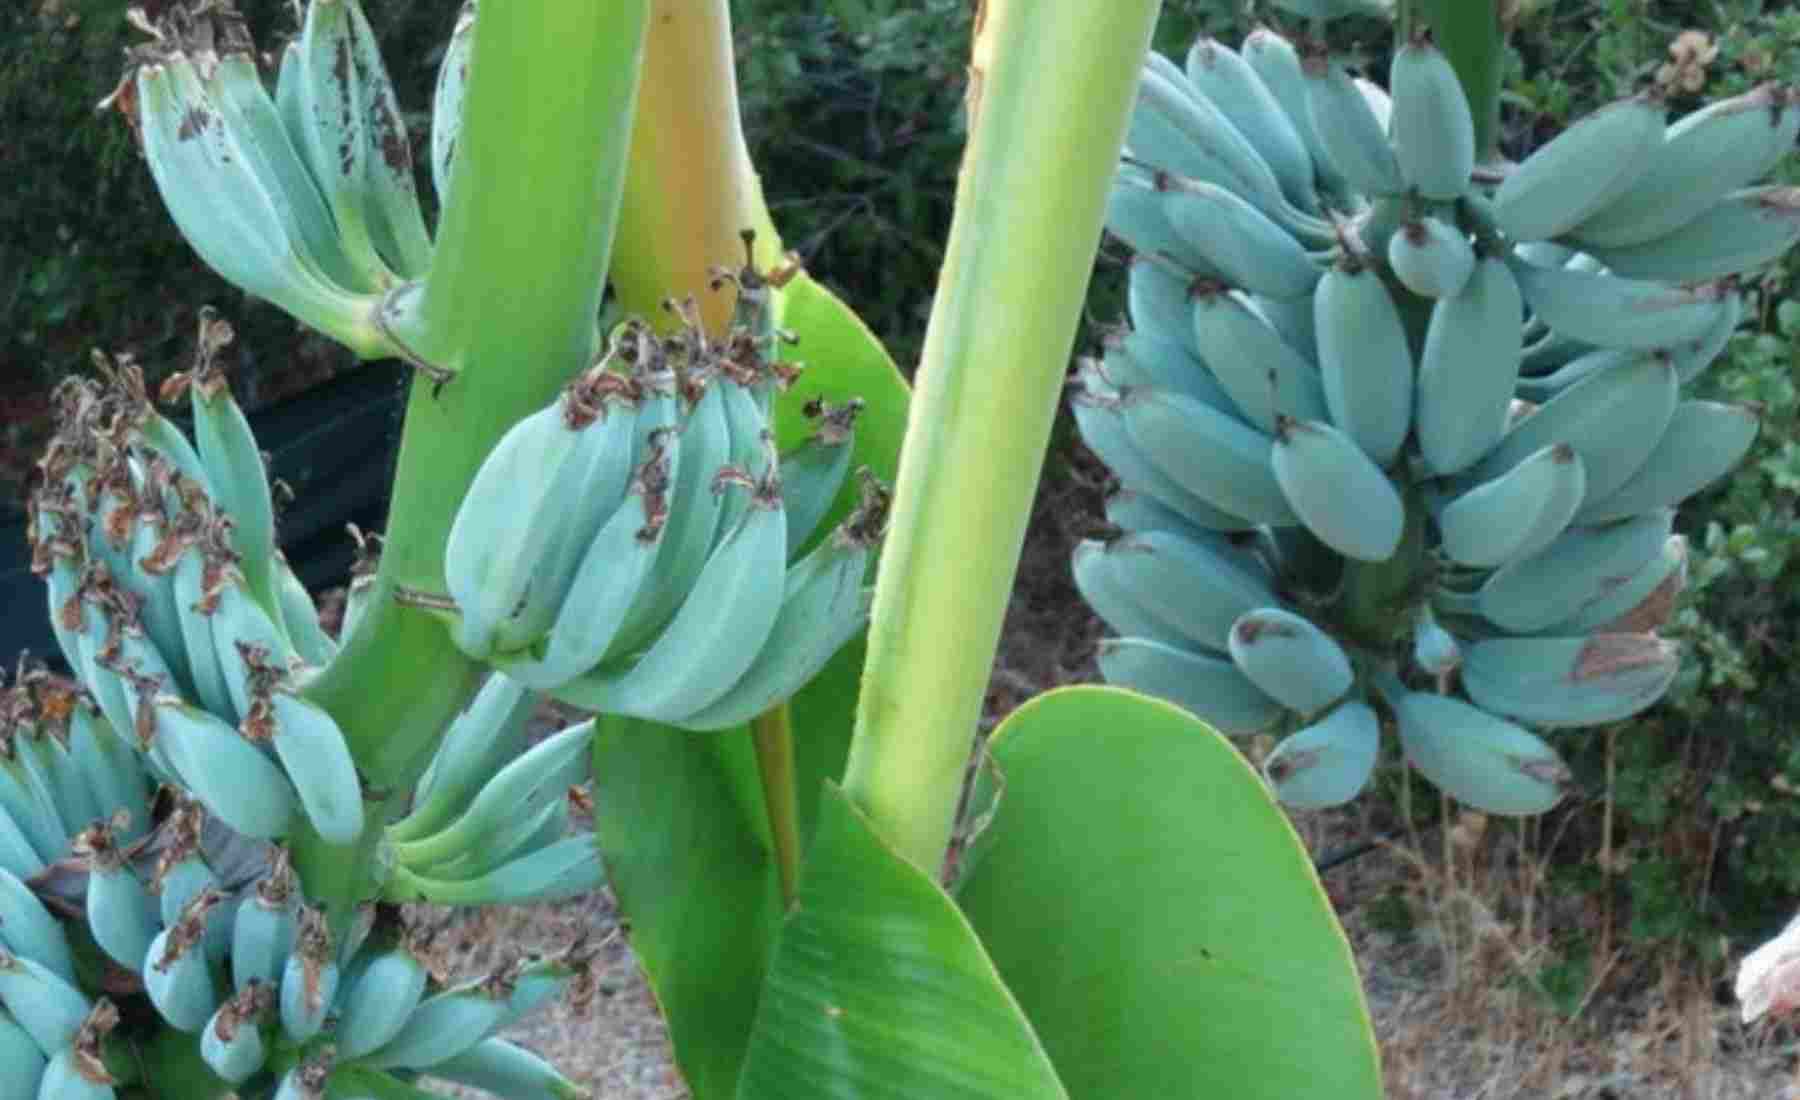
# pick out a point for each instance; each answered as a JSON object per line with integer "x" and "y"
{"x": 680, "y": 818}
{"x": 880, "y": 989}
{"x": 1156, "y": 915}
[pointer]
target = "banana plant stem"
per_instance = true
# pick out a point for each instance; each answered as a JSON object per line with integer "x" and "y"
{"x": 1050, "y": 91}
{"x": 773, "y": 733}
{"x": 510, "y": 304}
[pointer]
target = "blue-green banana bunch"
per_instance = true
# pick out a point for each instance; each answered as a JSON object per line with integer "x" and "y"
{"x": 175, "y": 610}
{"x": 1398, "y": 443}
{"x": 302, "y": 195}
{"x": 639, "y": 547}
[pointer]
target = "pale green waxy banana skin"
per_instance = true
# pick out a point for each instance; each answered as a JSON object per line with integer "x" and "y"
{"x": 1225, "y": 77}
{"x": 1158, "y": 296}
{"x": 567, "y": 868}
{"x": 1517, "y": 514}
{"x": 1130, "y": 510}
{"x": 1430, "y": 258}
{"x": 121, "y": 914}
{"x": 1467, "y": 369}
{"x": 27, "y": 928}
{"x": 1337, "y": 491}
{"x": 231, "y": 777}
{"x": 540, "y": 774}
{"x": 246, "y": 638}
{"x": 1195, "y": 588}
{"x": 722, "y": 623}
{"x": 1278, "y": 64}
{"x": 22, "y": 1061}
{"x": 1432, "y": 128}
{"x": 237, "y": 1058}
{"x": 235, "y": 468}
{"x": 301, "y": 618}
{"x": 1237, "y": 240}
{"x": 1581, "y": 681}
{"x": 1644, "y": 602}
{"x": 179, "y": 986}
{"x": 506, "y": 1069}
{"x": 48, "y": 1008}
{"x": 211, "y": 691}
{"x": 517, "y": 838}
{"x": 63, "y": 1080}
{"x": 443, "y": 1025}
{"x": 811, "y": 476}
{"x": 1572, "y": 572}
{"x": 1253, "y": 363}
{"x": 1329, "y": 762}
{"x": 1290, "y": 659}
{"x": 1202, "y": 142}
{"x": 608, "y": 579}
{"x": 378, "y": 997}
{"x": 1580, "y": 170}
{"x": 1145, "y": 359}
{"x": 1212, "y": 687}
{"x": 1207, "y": 453}
{"x": 1484, "y": 761}
{"x": 1742, "y": 231}
{"x": 1294, "y": 321}
{"x": 16, "y": 851}
{"x": 1613, "y": 419}
{"x": 306, "y": 994}
{"x": 447, "y": 101}
{"x": 1694, "y": 356}
{"x": 822, "y": 607}
{"x": 331, "y": 112}
{"x": 1353, "y": 139}
{"x": 262, "y": 936}
{"x": 1137, "y": 213}
{"x": 1104, "y": 430}
{"x": 1704, "y": 441}
{"x": 1364, "y": 360}
{"x": 389, "y": 197}
{"x": 1102, "y": 582}
{"x": 252, "y": 116}
{"x": 1703, "y": 156}
{"x": 317, "y": 760}
{"x": 479, "y": 742}
{"x": 1435, "y": 650}
{"x": 1542, "y": 389}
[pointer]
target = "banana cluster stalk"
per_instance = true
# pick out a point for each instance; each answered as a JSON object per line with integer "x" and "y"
{"x": 639, "y": 547}
{"x": 1397, "y": 442}
{"x": 174, "y": 609}
{"x": 303, "y": 196}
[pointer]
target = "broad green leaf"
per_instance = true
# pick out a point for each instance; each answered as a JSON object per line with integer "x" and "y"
{"x": 1153, "y": 910}
{"x": 880, "y": 989}
{"x": 680, "y": 817}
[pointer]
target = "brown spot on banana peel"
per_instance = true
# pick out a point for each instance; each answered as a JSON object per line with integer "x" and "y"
{"x": 1607, "y": 655}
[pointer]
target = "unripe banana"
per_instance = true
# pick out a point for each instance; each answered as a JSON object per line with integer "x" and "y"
{"x": 1613, "y": 418}
{"x": 1327, "y": 763}
{"x": 1517, "y": 514}
{"x": 1148, "y": 360}
{"x": 567, "y": 868}
{"x": 1136, "y": 214}
{"x": 1238, "y": 241}
{"x": 1207, "y": 147}
{"x": 1581, "y": 681}
{"x": 121, "y": 915}
{"x": 1703, "y": 155}
{"x": 1581, "y": 566}
{"x": 1432, "y": 128}
{"x": 1544, "y": 388}
{"x": 1226, "y": 78}
{"x": 1490, "y": 764}
{"x": 1158, "y": 297}
{"x": 1290, "y": 659}
{"x": 22, "y": 1061}
{"x": 301, "y": 617}
{"x": 1213, "y": 688}
{"x": 1113, "y": 596}
{"x": 1642, "y": 604}
{"x": 76, "y": 1072}
{"x": 1580, "y": 170}
{"x": 50, "y": 1009}
{"x": 1338, "y": 493}
{"x": 1354, "y": 140}
{"x": 1742, "y": 231}
{"x": 1208, "y": 454}
{"x": 264, "y": 927}
{"x": 1468, "y": 368}
{"x": 317, "y": 760}
{"x": 1278, "y": 64}
{"x": 1364, "y": 359}
{"x": 1293, "y": 319}
{"x": 27, "y": 928}
{"x": 1258, "y": 370}
{"x": 231, "y": 1042}
{"x": 447, "y": 101}
{"x": 1430, "y": 258}
{"x": 1609, "y": 311}
{"x": 1704, "y": 441}
{"x": 507, "y": 1070}
{"x": 1693, "y": 356}
{"x": 1103, "y": 430}
{"x": 1435, "y": 650}
{"x": 175, "y": 968}
{"x": 309, "y": 978}
{"x": 443, "y": 1025}
{"x": 490, "y": 732}
{"x": 813, "y": 474}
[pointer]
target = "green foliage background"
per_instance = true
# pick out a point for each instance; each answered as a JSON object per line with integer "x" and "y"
{"x": 853, "y": 109}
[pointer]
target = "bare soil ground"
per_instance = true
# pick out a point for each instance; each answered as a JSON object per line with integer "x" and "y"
{"x": 1454, "y": 935}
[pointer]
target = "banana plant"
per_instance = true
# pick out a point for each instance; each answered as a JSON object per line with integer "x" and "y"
{"x": 685, "y": 508}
